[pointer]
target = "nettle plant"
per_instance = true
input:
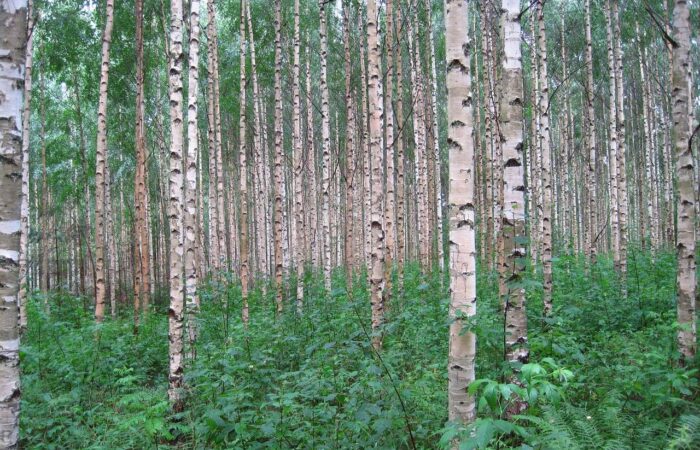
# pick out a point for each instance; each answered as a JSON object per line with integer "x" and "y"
{"x": 531, "y": 385}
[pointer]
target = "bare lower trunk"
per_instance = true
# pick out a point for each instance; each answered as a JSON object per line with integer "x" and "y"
{"x": 349, "y": 154}
{"x": 435, "y": 135}
{"x": 141, "y": 253}
{"x": 24, "y": 208}
{"x": 101, "y": 161}
{"x": 621, "y": 157}
{"x": 326, "y": 136}
{"x": 546, "y": 162}
{"x": 590, "y": 142}
{"x": 376, "y": 276}
{"x": 111, "y": 253}
{"x": 13, "y": 16}
{"x": 613, "y": 136}
{"x": 311, "y": 168}
{"x": 648, "y": 150}
{"x": 191, "y": 298}
{"x": 397, "y": 72}
{"x": 421, "y": 159}
{"x": 364, "y": 145}
{"x": 215, "y": 251}
{"x": 176, "y": 182}
{"x": 259, "y": 152}
{"x": 513, "y": 218}
{"x": 686, "y": 283}
{"x": 462, "y": 351}
{"x": 389, "y": 210}
{"x": 298, "y": 243}
{"x": 279, "y": 181}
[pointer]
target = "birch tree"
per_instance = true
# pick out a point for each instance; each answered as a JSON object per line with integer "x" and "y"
{"x": 298, "y": 243}
{"x": 545, "y": 144}
{"x": 376, "y": 276}
{"x": 462, "y": 346}
{"x": 590, "y": 140}
{"x": 24, "y": 209}
{"x": 101, "y": 184}
{"x": 279, "y": 181}
{"x": 190, "y": 235}
{"x": 176, "y": 183}
{"x": 685, "y": 247}
{"x": 326, "y": 151}
{"x": 13, "y": 17}
{"x": 513, "y": 218}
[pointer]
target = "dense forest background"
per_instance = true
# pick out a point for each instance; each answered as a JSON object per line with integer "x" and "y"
{"x": 241, "y": 225}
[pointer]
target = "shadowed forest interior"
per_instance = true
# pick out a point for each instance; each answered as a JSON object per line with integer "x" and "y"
{"x": 322, "y": 224}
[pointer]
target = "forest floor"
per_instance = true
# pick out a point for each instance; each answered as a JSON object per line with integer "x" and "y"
{"x": 603, "y": 370}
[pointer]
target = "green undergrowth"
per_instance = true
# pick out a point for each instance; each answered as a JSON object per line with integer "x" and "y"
{"x": 603, "y": 370}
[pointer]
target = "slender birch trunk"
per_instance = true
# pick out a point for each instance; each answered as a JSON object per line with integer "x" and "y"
{"x": 621, "y": 135}
{"x": 141, "y": 253}
{"x": 648, "y": 153}
{"x": 13, "y": 17}
{"x": 546, "y": 161}
{"x": 390, "y": 206}
{"x": 24, "y": 207}
{"x": 176, "y": 182}
{"x": 111, "y": 259}
{"x": 190, "y": 235}
{"x": 462, "y": 351}
{"x": 436, "y": 141}
{"x": 364, "y": 144}
{"x": 243, "y": 171}
{"x": 44, "y": 227}
{"x": 535, "y": 152}
{"x": 590, "y": 141}
{"x": 101, "y": 161}
{"x": 374, "y": 87}
{"x": 488, "y": 137}
{"x": 513, "y": 218}
{"x": 421, "y": 160}
{"x": 349, "y": 153}
{"x": 613, "y": 136}
{"x": 397, "y": 73}
{"x": 215, "y": 250}
{"x": 298, "y": 243}
{"x": 223, "y": 251}
{"x": 279, "y": 181}
{"x": 311, "y": 167}
{"x": 685, "y": 247}
{"x": 326, "y": 136}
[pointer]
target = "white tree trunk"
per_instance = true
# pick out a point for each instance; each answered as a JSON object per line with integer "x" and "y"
{"x": 13, "y": 15}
